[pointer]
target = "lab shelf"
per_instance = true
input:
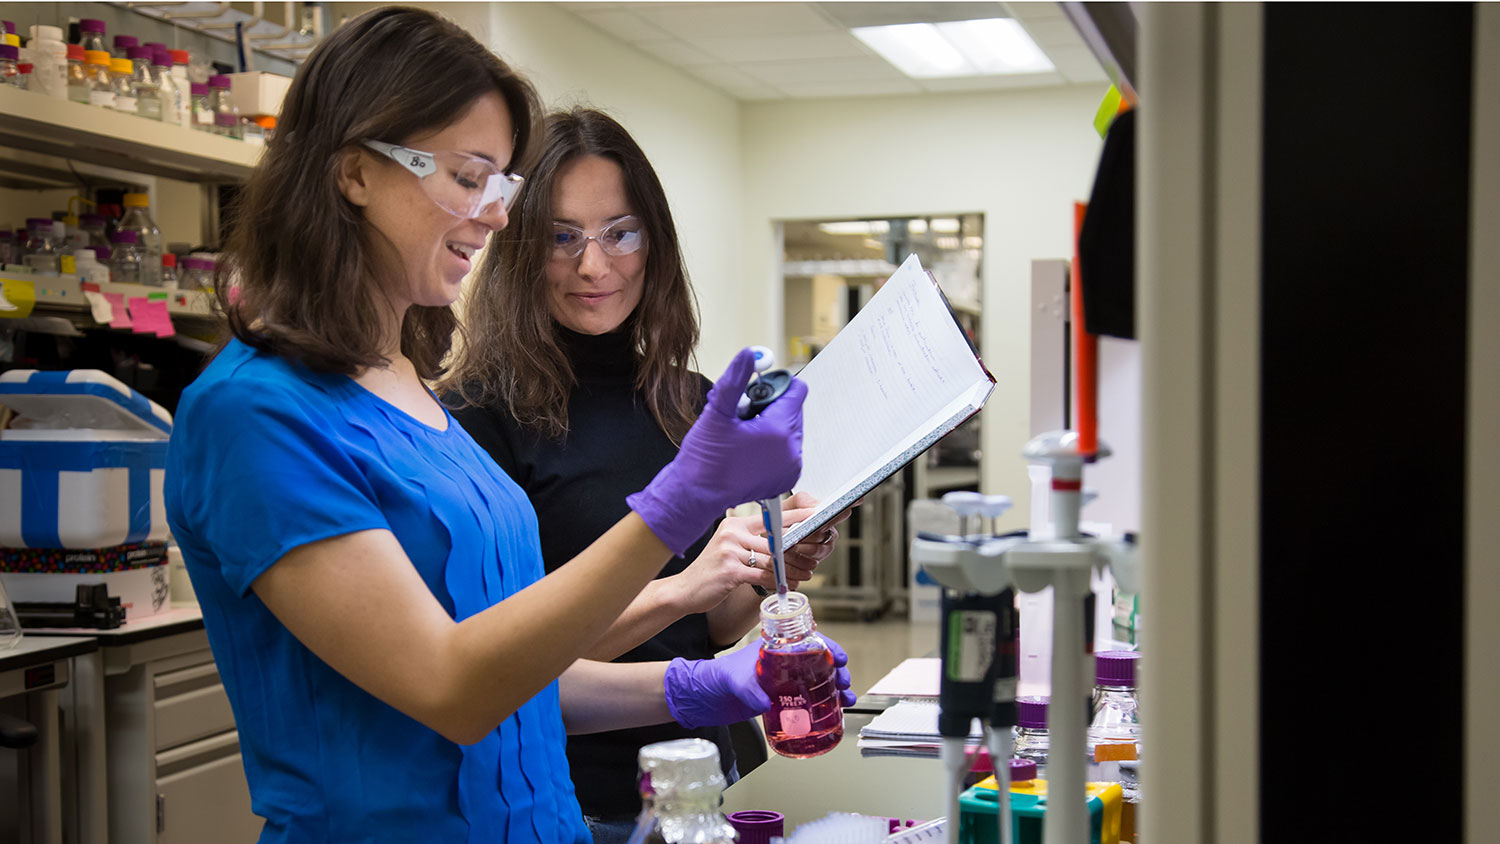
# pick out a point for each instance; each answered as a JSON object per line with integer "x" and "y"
{"x": 63, "y": 293}
{"x": 100, "y": 136}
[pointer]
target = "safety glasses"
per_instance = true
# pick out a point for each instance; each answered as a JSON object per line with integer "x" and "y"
{"x": 463, "y": 185}
{"x": 622, "y": 237}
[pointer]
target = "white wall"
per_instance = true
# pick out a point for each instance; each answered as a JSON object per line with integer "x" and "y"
{"x": 1021, "y": 158}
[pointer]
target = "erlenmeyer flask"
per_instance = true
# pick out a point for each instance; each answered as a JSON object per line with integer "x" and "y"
{"x": 10, "y": 626}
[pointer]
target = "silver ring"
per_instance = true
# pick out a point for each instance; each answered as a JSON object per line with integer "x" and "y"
{"x": 750, "y": 563}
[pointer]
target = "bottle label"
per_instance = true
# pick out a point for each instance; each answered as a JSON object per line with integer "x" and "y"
{"x": 65, "y": 263}
{"x": 125, "y": 104}
{"x": 971, "y": 640}
{"x": 102, "y": 98}
{"x": 796, "y": 722}
{"x": 203, "y": 117}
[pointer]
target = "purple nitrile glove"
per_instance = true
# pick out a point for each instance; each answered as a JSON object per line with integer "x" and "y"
{"x": 724, "y": 460}
{"x": 715, "y": 692}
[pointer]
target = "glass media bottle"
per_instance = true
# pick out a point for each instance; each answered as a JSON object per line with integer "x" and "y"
{"x": 1032, "y": 739}
{"x": 681, "y": 785}
{"x": 795, "y": 669}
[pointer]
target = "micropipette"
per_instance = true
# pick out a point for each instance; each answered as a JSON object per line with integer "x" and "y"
{"x": 768, "y": 385}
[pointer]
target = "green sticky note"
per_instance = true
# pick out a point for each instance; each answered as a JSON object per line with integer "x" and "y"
{"x": 156, "y": 296}
{"x": 1107, "y": 111}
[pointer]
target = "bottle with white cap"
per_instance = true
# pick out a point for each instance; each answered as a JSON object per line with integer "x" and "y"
{"x": 49, "y": 61}
{"x": 682, "y": 787}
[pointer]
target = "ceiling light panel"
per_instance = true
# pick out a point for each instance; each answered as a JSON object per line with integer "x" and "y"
{"x": 992, "y": 46}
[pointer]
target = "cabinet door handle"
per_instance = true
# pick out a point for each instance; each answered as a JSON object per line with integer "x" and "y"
{"x": 161, "y": 813}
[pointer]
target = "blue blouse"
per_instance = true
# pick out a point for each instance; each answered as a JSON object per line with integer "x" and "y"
{"x": 267, "y": 456}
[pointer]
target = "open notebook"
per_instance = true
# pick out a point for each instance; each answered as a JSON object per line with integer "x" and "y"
{"x": 896, "y": 379}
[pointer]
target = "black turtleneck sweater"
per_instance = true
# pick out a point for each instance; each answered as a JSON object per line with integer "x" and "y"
{"x": 578, "y": 485}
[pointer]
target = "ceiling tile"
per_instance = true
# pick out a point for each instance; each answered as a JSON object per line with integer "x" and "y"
{"x": 735, "y": 82}
{"x": 714, "y": 20}
{"x": 627, "y": 26}
{"x": 809, "y": 90}
{"x": 1077, "y": 64}
{"x": 676, "y": 52}
{"x": 995, "y": 83}
{"x": 827, "y": 70}
{"x": 829, "y": 45}
{"x": 1052, "y": 31}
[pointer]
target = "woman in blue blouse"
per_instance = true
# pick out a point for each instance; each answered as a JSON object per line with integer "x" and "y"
{"x": 371, "y": 582}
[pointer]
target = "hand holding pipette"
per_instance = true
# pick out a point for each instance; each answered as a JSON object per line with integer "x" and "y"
{"x": 766, "y": 388}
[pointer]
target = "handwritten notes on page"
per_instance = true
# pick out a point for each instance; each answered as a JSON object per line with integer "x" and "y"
{"x": 895, "y": 380}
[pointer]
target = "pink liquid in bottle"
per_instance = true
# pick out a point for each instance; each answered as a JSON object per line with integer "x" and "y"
{"x": 805, "y": 718}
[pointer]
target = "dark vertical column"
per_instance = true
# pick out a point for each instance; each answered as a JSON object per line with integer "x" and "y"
{"x": 1365, "y": 262}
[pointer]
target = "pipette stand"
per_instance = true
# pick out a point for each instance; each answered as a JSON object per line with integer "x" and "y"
{"x": 1064, "y": 562}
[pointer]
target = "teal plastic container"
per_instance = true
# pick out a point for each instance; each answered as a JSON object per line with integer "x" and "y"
{"x": 979, "y": 808}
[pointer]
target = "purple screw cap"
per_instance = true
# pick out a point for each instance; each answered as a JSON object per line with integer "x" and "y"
{"x": 9, "y": 52}
{"x": 91, "y": 25}
{"x": 125, "y": 42}
{"x": 134, "y": 53}
{"x": 10, "y": 27}
{"x": 757, "y": 826}
{"x": 124, "y": 237}
{"x": 1115, "y": 668}
{"x": 1031, "y": 712}
{"x": 1022, "y": 770}
{"x": 198, "y": 89}
{"x": 220, "y": 81}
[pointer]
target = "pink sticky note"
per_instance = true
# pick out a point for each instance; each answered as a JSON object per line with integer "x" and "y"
{"x": 140, "y": 320}
{"x": 161, "y": 319}
{"x": 117, "y": 305}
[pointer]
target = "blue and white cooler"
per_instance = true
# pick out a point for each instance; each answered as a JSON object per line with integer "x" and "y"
{"x": 81, "y": 474}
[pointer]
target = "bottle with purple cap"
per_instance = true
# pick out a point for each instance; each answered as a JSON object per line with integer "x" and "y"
{"x": 143, "y": 86}
{"x": 221, "y": 103}
{"x": 1114, "y": 733}
{"x": 92, "y": 30}
{"x": 1031, "y": 730}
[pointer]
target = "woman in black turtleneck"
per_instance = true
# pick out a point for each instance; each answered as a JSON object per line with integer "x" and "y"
{"x": 575, "y": 376}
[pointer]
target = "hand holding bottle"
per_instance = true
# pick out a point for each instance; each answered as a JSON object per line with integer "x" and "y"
{"x": 713, "y": 692}
{"x": 724, "y": 460}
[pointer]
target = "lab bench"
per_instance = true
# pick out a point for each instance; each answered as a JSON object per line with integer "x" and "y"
{"x": 156, "y": 754}
{"x": 841, "y": 780}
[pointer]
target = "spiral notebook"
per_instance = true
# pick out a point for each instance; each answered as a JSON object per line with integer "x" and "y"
{"x": 898, "y": 378}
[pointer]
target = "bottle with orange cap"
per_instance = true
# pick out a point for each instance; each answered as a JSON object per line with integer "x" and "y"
{"x": 101, "y": 84}
{"x": 148, "y": 237}
{"x": 121, "y": 73}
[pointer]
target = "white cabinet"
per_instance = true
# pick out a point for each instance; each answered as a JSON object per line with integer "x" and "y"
{"x": 175, "y": 773}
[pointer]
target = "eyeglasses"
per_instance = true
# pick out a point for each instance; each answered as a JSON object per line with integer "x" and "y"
{"x": 463, "y": 185}
{"x": 622, "y": 237}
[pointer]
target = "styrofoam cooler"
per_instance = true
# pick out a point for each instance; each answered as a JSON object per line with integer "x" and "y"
{"x": 95, "y": 484}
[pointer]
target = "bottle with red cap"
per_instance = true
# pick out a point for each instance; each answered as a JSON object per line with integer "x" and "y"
{"x": 78, "y": 78}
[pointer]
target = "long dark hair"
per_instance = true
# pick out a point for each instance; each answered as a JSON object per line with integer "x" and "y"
{"x": 512, "y": 351}
{"x": 300, "y": 253}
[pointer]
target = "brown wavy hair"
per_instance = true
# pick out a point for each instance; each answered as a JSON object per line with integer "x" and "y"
{"x": 300, "y": 254}
{"x": 512, "y": 352}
